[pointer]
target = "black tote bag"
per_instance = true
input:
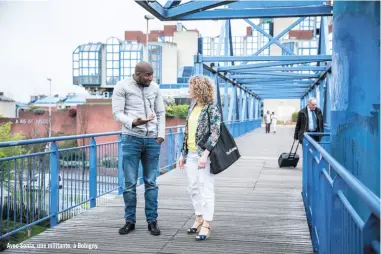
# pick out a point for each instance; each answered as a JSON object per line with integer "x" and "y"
{"x": 225, "y": 153}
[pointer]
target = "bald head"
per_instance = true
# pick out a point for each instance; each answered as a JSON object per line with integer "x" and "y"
{"x": 143, "y": 73}
{"x": 143, "y": 67}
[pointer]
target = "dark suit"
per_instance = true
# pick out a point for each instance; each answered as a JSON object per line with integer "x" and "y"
{"x": 302, "y": 124}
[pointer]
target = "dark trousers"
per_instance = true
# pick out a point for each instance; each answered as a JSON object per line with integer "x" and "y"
{"x": 268, "y": 127}
{"x": 316, "y": 138}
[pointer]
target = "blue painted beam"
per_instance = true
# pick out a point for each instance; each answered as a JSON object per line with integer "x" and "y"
{"x": 269, "y": 4}
{"x": 280, "y": 96}
{"x": 226, "y": 53}
{"x": 316, "y": 58}
{"x": 321, "y": 77}
{"x": 259, "y": 29}
{"x": 230, "y": 39}
{"x": 291, "y": 82}
{"x": 303, "y": 11}
{"x": 273, "y": 75}
{"x": 283, "y": 93}
{"x": 284, "y": 69}
{"x": 194, "y": 7}
{"x": 153, "y": 7}
{"x": 270, "y": 86}
{"x": 285, "y": 79}
{"x": 261, "y": 65}
{"x": 279, "y": 91}
{"x": 225, "y": 78}
{"x": 276, "y": 38}
{"x": 171, "y": 4}
{"x": 275, "y": 82}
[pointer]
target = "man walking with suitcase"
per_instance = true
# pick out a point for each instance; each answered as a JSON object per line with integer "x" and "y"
{"x": 310, "y": 119}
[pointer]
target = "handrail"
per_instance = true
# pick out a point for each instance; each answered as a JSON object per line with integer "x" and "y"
{"x": 63, "y": 138}
{"x": 54, "y": 139}
{"x": 369, "y": 198}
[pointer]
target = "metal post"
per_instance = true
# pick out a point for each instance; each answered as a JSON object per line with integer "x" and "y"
{"x": 120, "y": 167}
{"x": 54, "y": 192}
{"x": 146, "y": 55}
{"x": 147, "y": 17}
{"x": 93, "y": 173}
{"x": 226, "y": 53}
{"x": 170, "y": 150}
{"x": 50, "y": 107}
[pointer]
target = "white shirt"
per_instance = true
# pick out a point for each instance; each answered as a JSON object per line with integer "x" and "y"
{"x": 273, "y": 117}
{"x": 268, "y": 118}
{"x": 310, "y": 120}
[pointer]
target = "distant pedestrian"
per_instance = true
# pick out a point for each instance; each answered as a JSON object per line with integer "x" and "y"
{"x": 267, "y": 121}
{"x": 274, "y": 121}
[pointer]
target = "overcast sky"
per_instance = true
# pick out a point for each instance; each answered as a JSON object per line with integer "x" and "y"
{"x": 37, "y": 39}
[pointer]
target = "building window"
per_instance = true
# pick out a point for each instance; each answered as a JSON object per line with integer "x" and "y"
{"x": 112, "y": 61}
{"x": 155, "y": 58}
{"x": 307, "y": 24}
{"x": 264, "y": 40}
{"x": 87, "y": 64}
{"x": 206, "y": 46}
{"x": 290, "y": 46}
{"x": 306, "y": 48}
{"x": 130, "y": 55}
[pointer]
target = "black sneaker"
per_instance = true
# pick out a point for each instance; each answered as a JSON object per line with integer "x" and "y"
{"x": 152, "y": 227}
{"x": 127, "y": 228}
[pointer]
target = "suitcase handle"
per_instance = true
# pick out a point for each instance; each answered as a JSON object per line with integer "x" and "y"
{"x": 292, "y": 148}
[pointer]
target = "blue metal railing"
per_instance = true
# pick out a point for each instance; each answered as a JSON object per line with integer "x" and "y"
{"x": 336, "y": 227}
{"x": 238, "y": 128}
{"x": 47, "y": 185}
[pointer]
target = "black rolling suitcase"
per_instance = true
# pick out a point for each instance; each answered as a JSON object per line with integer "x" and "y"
{"x": 289, "y": 159}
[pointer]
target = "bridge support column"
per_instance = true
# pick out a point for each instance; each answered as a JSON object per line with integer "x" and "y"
{"x": 355, "y": 92}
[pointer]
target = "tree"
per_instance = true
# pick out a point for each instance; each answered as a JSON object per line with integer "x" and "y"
{"x": 7, "y": 167}
{"x": 83, "y": 120}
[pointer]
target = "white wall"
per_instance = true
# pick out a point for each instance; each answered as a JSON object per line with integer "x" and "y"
{"x": 187, "y": 46}
{"x": 282, "y": 108}
{"x": 169, "y": 63}
{"x": 279, "y": 25}
{"x": 8, "y": 109}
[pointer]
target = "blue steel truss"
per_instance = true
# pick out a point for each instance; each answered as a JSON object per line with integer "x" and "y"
{"x": 302, "y": 70}
{"x": 243, "y": 75}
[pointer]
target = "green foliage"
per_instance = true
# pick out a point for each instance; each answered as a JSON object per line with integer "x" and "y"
{"x": 109, "y": 162}
{"x": 72, "y": 155}
{"x": 68, "y": 144}
{"x": 180, "y": 111}
{"x": 6, "y": 136}
{"x": 38, "y": 111}
{"x": 26, "y": 215}
{"x": 294, "y": 116}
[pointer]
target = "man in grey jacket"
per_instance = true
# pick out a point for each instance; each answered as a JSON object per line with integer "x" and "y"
{"x": 139, "y": 107}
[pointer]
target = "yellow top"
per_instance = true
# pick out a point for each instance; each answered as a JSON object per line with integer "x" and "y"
{"x": 192, "y": 128}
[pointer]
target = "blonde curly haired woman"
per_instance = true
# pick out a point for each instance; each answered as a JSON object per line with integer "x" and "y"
{"x": 203, "y": 117}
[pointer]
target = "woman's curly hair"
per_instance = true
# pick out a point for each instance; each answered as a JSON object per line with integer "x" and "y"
{"x": 203, "y": 89}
